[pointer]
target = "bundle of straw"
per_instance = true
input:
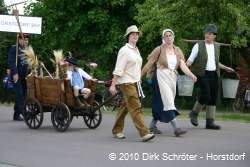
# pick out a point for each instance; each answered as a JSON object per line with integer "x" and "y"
{"x": 59, "y": 57}
{"x": 30, "y": 59}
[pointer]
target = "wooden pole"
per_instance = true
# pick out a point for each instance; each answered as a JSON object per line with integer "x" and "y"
{"x": 14, "y": 4}
{"x": 195, "y": 41}
{"x": 221, "y": 44}
{"x": 107, "y": 100}
{"x": 45, "y": 69}
{"x": 15, "y": 12}
{"x": 16, "y": 48}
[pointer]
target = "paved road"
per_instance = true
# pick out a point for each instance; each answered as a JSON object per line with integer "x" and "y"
{"x": 80, "y": 146}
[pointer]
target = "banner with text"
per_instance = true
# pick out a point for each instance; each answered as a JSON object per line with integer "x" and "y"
{"x": 32, "y": 25}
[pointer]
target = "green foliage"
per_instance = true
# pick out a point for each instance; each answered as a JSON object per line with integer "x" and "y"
{"x": 188, "y": 19}
{"x": 91, "y": 30}
{"x": 6, "y": 41}
{"x": 3, "y": 10}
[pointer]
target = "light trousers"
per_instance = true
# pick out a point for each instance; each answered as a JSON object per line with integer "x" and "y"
{"x": 130, "y": 103}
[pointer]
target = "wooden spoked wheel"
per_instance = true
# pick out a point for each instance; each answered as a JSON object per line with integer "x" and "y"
{"x": 33, "y": 113}
{"x": 93, "y": 119}
{"x": 60, "y": 117}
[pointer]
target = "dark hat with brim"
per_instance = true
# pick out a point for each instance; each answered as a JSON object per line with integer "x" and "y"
{"x": 211, "y": 28}
{"x": 72, "y": 60}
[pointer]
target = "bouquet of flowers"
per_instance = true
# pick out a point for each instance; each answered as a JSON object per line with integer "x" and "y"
{"x": 92, "y": 67}
{"x": 64, "y": 65}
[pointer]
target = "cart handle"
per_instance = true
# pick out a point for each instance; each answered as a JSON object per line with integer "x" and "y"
{"x": 107, "y": 100}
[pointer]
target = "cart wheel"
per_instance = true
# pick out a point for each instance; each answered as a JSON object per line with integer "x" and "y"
{"x": 72, "y": 117}
{"x": 33, "y": 113}
{"x": 109, "y": 105}
{"x": 60, "y": 117}
{"x": 93, "y": 119}
{"x": 113, "y": 103}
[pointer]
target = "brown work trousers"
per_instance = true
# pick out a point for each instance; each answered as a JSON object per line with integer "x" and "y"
{"x": 132, "y": 104}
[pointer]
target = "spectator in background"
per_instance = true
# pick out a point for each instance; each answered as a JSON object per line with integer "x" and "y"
{"x": 7, "y": 87}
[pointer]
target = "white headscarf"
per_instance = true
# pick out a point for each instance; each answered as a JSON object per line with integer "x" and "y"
{"x": 166, "y": 30}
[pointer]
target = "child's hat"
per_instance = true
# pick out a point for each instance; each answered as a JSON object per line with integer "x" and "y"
{"x": 72, "y": 60}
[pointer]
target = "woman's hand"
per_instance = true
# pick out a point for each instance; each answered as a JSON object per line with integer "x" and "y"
{"x": 194, "y": 78}
{"x": 112, "y": 90}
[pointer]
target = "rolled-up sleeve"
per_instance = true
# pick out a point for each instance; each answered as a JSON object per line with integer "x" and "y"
{"x": 194, "y": 53}
{"x": 120, "y": 62}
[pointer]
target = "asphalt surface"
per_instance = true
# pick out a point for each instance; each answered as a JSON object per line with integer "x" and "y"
{"x": 80, "y": 146}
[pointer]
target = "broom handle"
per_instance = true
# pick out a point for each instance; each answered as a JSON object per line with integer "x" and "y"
{"x": 47, "y": 71}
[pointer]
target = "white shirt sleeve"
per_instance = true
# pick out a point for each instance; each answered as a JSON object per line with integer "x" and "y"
{"x": 194, "y": 53}
{"x": 121, "y": 61}
{"x": 84, "y": 74}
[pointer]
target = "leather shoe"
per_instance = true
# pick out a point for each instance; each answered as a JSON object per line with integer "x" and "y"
{"x": 17, "y": 118}
{"x": 193, "y": 118}
{"x": 211, "y": 125}
{"x": 180, "y": 131}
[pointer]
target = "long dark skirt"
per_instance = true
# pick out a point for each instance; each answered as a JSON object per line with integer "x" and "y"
{"x": 157, "y": 105}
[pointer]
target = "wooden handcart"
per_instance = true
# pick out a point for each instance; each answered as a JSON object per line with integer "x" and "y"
{"x": 56, "y": 96}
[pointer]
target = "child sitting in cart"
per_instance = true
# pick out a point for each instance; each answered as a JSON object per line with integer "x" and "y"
{"x": 76, "y": 75}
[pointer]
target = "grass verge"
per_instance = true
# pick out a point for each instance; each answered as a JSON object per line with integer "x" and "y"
{"x": 220, "y": 115}
{"x": 228, "y": 116}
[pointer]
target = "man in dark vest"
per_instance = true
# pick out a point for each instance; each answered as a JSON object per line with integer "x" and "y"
{"x": 18, "y": 73}
{"x": 204, "y": 63}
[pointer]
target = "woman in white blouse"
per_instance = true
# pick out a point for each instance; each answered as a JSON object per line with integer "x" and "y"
{"x": 127, "y": 76}
{"x": 164, "y": 82}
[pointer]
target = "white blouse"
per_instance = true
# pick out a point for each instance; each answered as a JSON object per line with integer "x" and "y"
{"x": 172, "y": 61}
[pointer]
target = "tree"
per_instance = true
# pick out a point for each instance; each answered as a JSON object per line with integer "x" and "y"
{"x": 189, "y": 18}
{"x": 6, "y": 41}
{"x": 91, "y": 29}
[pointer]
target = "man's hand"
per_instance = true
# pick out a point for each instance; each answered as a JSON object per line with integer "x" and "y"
{"x": 15, "y": 78}
{"x": 228, "y": 69}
